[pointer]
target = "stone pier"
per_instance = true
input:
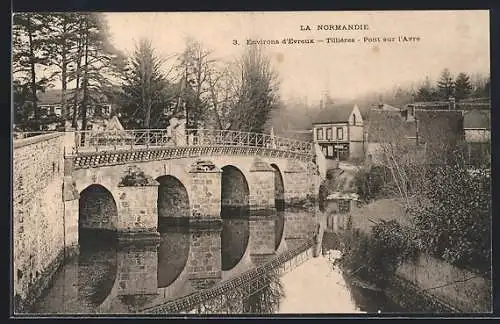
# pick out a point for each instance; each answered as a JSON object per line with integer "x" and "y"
{"x": 296, "y": 183}
{"x": 137, "y": 261}
{"x": 205, "y": 192}
{"x": 204, "y": 262}
{"x": 137, "y": 210}
{"x": 262, "y": 238}
{"x": 262, "y": 188}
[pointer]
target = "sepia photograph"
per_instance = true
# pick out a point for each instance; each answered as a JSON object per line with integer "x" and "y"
{"x": 251, "y": 163}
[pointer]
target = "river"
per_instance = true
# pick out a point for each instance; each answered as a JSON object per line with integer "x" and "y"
{"x": 114, "y": 278}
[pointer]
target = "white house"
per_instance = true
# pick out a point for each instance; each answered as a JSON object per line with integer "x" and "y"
{"x": 338, "y": 130}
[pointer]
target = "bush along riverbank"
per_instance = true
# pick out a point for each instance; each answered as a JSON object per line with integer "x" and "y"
{"x": 371, "y": 260}
{"x": 389, "y": 258}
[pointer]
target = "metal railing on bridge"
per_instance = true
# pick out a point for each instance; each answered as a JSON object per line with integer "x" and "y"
{"x": 121, "y": 140}
{"x": 108, "y": 140}
{"x": 93, "y": 141}
{"x": 207, "y": 137}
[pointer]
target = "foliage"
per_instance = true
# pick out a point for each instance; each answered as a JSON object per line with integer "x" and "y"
{"x": 426, "y": 92}
{"x": 97, "y": 61}
{"x": 65, "y": 46}
{"x": 445, "y": 85}
{"x": 258, "y": 91}
{"x": 375, "y": 256}
{"x": 482, "y": 88}
{"x": 135, "y": 177}
{"x": 267, "y": 300}
{"x": 30, "y": 55}
{"x": 145, "y": 90}
{"x": 194, "y": 68}
{"x": 454, "y": 216}
{"x": 370, "y": 182}
{"x": 62, "y": 43}
{"x": 74, "y": 48}
{"x": 463, "y": 86}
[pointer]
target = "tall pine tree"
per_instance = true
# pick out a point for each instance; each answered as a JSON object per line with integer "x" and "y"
{"x": 463, "y": 86}
{"x": 426, "y": 92}
{"x": 29, "y": 56}
{"x": 446, "y": 85}
{"x": 145, "y": 89}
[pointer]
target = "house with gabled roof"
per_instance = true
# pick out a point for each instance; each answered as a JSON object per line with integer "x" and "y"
{"x": 387, "y": 125}
{"x": 433, "y": 132}
{"x": 50, "y": 103}
{"x": 338, "y": 130}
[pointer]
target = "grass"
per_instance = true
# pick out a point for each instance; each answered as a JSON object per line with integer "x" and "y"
{"x": 382, "y": 209}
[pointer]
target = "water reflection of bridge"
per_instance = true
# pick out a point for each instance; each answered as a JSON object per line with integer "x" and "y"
{"x": 126, "y": 278}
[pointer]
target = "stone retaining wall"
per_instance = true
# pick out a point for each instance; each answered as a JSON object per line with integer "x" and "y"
{"x": 38, "y": 214}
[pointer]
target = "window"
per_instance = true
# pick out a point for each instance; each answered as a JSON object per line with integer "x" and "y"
{"x": 340, "y": 133}
{"x": 319, "y": 133}
{"x": 323, "y": 148}
{"x": 328, "y": 133}
{"x": 354, "y": 119}
{"x": 330, "y": 151}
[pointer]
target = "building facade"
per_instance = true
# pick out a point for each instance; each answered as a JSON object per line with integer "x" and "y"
{"x": 50, "y": 103}
{"x": 338, "y": 130}
{"x": 477, "y": 129}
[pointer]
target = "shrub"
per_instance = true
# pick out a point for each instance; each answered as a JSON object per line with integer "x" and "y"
{"x": 370, "y": 183}
{"x": 375, "y": 256}
{"x": 135, "y": 177}
{"x": 455, "y": 215}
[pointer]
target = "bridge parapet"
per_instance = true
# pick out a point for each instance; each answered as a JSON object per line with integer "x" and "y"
{"x": 115, "y": 140}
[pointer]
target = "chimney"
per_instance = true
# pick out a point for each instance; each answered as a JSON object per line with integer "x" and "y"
{"x": 380, "y": 105}
{"x": 452, "y": 103}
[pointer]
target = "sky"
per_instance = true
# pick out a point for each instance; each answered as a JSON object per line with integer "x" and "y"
{"x": 458, "y": 40}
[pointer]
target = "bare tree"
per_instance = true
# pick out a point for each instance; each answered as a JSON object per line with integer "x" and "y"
{"x": 193, "y": 68}
{"x": 257, "y": 91}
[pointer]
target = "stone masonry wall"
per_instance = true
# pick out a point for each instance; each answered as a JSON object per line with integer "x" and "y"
{"x": 262, "y": 235}
{"x": 206, "y": 194}
{"x": 38, "y": 212}
{"x": 262, "y": 190}
{"x": 205, "y": 255}
{"x": 137, "y": 262}
{"x": 299, "y": 223}
{"x": 137, "y": 209}
{"x": 297, "y": 183}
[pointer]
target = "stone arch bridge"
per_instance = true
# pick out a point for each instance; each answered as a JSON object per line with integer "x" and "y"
{"x": 133, "y": 182}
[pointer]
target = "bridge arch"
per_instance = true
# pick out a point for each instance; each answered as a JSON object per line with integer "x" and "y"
{"x": 279, "y": 188}
{"x": 173, "y": 254}
{"x": 235, "y": 237}
{"x": 97, "y": 209}
{"x": 173, "y": 199}
{"x": 235, "y": 192}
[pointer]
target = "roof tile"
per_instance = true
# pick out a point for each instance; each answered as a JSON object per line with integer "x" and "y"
{"x": 477, "y": 119}
{"x": 334, "y": 114}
